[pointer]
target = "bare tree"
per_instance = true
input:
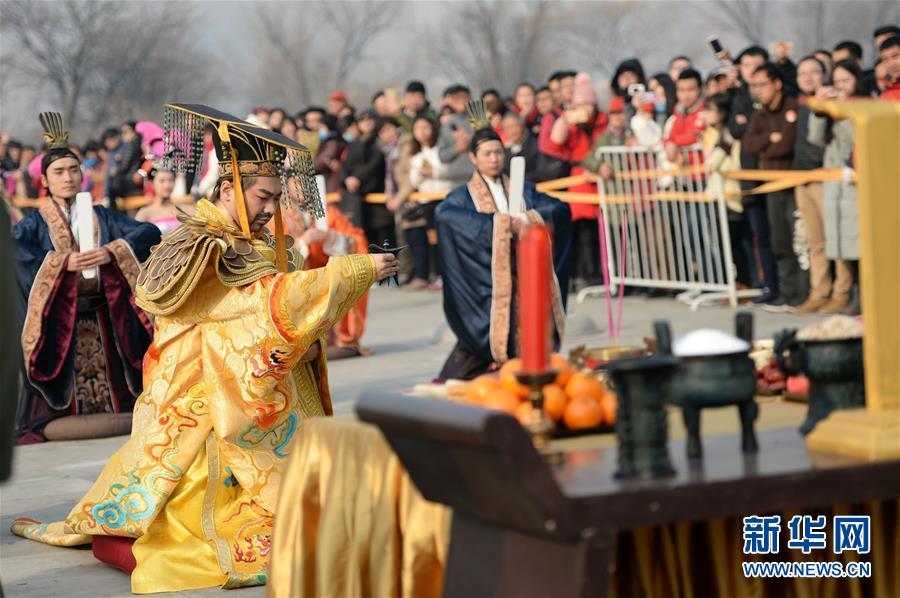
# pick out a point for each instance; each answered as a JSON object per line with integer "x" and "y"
{"x": 350, "y": 27}
{"x": 818, "y": 16}
{"x": 603, "y": 34}
{"x": 287, "y": 68}
{"x": 57, "y": 55}
{"x": 491, "y": 43}
{"x": 150, "y": 61}
{"x": 814, "y": 24}
{"x": 357, "y": 25}
{"x": 528, "y": 45}
{"x": 102, "y": 63}
{"x": 749, "y": 18}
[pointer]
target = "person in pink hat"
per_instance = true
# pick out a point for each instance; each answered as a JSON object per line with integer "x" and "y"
{"x": 151, "y": 135}
{"x": 150, "y": 132}
{"x": 577, "y": 130}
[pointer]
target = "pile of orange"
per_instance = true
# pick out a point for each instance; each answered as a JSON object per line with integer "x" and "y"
{"x": 576, "y": 400}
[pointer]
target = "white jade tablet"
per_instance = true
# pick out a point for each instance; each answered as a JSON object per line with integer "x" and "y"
{"x": 84, "y": 206}
{"x": 517, "y": 186}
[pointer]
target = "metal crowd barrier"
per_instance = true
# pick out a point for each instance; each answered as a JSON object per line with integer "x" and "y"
{"x": 661, "y": 228}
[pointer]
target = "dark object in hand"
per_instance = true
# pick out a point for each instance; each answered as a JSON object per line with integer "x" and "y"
{"x": 386, "y": 248}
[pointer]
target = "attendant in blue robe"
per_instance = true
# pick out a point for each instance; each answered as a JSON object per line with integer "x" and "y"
{"x": 476, "y": 248}
{"x": 83, "y": 339}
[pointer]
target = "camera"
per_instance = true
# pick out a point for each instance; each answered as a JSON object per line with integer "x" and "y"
{"x": 635, "y": 89}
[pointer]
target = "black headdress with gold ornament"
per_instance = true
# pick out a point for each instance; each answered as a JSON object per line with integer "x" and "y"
{"x": 481, "y": 124}
{"x": 249, "y": 151}
{"x": 57, "y": 139}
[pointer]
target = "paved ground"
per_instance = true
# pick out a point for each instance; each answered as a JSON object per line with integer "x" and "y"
{"x": 407, "y": 332}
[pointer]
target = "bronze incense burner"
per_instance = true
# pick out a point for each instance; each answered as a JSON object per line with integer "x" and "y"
{"x": 834, "y": 369}
{"x": 715, "y": 380}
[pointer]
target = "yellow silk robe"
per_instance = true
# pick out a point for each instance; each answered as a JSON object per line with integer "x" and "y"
{"x": 224, "y": 393}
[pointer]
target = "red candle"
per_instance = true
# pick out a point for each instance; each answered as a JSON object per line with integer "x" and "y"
{"x": 534, "y": 298}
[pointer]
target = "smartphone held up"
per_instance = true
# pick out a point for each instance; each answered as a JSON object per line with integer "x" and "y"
{"x": 718, "y": 49}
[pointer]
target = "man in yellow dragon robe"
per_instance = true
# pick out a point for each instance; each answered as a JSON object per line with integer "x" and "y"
{"x": 234, "y": 368}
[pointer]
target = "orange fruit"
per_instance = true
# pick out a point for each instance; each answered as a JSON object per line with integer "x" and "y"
{"x": 582, "y": 384}
{"x": 480, "y": 388}
{"x": 608, "y": 405}
{"x": 523, "y": 413}
{"x": 583, "y": 412}
{"x": 508, "y": 380}
{"x": 502, "y": 400}
{"x": 555, "y": 401}
{"x": 563, "y": 367}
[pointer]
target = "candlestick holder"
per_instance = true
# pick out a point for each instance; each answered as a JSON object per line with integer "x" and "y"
{"x": 540, "y": 426}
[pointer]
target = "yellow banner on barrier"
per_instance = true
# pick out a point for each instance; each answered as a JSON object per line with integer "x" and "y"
{"x": 139, "y": 201}
{"x": 817, "y": 174}
{"x": 638, "y": 175}
{"x": 26, "y": 202}
{"x": 779, "y": 180}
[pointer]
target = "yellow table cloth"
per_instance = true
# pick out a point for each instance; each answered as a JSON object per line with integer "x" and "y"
{"x": 350, "y": 523}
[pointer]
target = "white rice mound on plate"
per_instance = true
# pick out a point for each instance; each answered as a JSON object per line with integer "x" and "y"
{"x": 708, "y": 341}
{"x": 834, "y": 328}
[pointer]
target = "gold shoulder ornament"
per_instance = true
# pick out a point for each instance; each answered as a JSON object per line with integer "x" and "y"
{"x": 177, "y": 264}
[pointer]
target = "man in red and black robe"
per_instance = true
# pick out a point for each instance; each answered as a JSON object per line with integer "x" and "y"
{"x": 83, "y": 339}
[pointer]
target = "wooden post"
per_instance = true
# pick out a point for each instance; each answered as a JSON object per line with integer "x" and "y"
{"x": 874, "y": 432}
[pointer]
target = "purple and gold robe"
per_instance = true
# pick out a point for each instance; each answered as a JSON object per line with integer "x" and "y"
{"x": 83, "y": 340}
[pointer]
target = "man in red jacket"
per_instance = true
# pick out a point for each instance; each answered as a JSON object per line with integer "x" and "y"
{"x": 684, "y": 129}
{"x": 889, "y": 51}
{"x": 686, "y": 124}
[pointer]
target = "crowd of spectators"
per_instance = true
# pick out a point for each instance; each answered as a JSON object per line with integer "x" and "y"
{"x": 746, "y": 112}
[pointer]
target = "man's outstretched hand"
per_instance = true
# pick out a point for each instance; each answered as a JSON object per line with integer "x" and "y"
{"x": 386, "y": 264}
